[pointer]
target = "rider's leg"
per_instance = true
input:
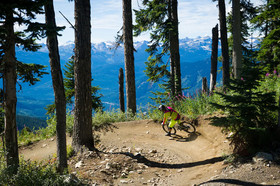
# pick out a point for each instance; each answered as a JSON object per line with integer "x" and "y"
{"x": 170, "y": 126}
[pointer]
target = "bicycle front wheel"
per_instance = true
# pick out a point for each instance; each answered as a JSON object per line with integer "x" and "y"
{"x": 165, "y": 128}
{"x": 188, "y": 127}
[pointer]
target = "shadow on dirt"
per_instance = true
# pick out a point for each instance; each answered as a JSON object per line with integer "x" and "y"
{"x": 190, "y": 137}
{"x": 144, "y": 160}
{"x": 230, "y": 181}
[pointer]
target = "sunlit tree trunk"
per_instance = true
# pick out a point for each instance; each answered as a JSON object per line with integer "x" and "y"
{"x": 174, "y": 47}
{"x": 129, "y": 57}
{"x": 82, "y": 132}
{"x": 58, "y": 86}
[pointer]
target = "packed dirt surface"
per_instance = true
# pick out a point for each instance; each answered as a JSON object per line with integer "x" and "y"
{"x": 139, "y": 153}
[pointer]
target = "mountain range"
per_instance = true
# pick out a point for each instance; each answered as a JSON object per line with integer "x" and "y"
{"x": 195, "y": 55}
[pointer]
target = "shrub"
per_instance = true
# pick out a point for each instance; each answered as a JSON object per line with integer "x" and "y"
{"x": 32, "y": 173}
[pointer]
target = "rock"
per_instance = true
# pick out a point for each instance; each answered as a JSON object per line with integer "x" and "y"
{"x": 108, "y": 165}
{"x": 44, "y": 145}
{"x": 70, "y": 179}
{"x": 138, "y": 149}
{"x": 123, "y": 182}
{"x": 153, "y": 151}
{"x": 180, "y": 170}
{"x": 79, "y": 164}
{"x": 262, "y": 157}
{"x": 229, "y": 135}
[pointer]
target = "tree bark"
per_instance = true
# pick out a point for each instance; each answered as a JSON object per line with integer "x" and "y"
{"x": 224, "y": 42}
{"x": 174, "y": 47}
{"x": 10, "y": 97}
{"x": 236, "y": 34}
{"x": 172, "y": 57}
{"x": 121, "y": 90}
{"x": 129, "y": 57}
{"x": 82, "y": 132}
{"x": 58, "y": 86}
{"x": 214, "y": 58}
{"x": 204, "y": 85}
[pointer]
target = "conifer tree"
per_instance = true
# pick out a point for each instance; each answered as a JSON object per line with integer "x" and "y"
{"x": 160, "y": 17}
{"x": 129, "y": 56}
{"x": 69, "y": 86}
{"x": 82, "y": 131}
{"x": 22, "y": 13}
{"x": 247, "y": 12}
{"x": 58, "y": 85}
{"x": 268, "y": 23}
{"x": 250, "y": 110}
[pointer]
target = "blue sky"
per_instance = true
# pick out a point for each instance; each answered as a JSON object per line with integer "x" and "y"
{"x": 196, "y": 17}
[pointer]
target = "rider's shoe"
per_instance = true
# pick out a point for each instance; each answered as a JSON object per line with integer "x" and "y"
{"x": 168, "y": 134}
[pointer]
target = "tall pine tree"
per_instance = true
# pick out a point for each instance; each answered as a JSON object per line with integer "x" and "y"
{"x": 160, "y": 17}
{"x": 21, "y": 13}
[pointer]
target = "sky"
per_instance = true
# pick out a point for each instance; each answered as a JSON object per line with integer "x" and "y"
{"x": 196, "y": 18}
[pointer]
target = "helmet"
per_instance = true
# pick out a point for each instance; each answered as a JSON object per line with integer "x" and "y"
{"x": 162, "y": 108}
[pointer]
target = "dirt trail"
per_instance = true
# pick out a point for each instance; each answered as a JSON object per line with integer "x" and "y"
{"x": 184, "y": 160}
{"x": 187, "y": 160}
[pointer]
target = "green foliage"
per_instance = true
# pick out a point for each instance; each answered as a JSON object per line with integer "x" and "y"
{"x": 33, "y": 173}
{"x": 271, "y": 83}
{"x": 100, "y": 118}
{"x": 155, "y": 17}
{"x": 30, "y": 72}
{"x": 69, "y": 86}
{"x": 33, "y": 123}
{"x": 248, "y": 109}
{"x": 268, "y": 23}
{"x": 69, "y": 81}
{"x": 247, "y": 13}
{"x": 70, "y": 151}
{"x": 199, "y": 104}
{"x": 190, "y": 106}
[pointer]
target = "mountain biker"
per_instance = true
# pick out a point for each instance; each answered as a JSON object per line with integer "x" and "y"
{"x": 172, "y": 114}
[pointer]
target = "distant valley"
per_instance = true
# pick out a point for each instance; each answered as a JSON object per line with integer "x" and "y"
{"x": 106, "y": 62}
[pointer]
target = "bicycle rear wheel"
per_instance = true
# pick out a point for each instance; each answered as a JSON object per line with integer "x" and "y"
{"x": 187, "y": 127}
{"x": 165, "y": 128}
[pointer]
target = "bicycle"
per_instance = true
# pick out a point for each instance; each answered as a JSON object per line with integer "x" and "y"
{"x": 184, "y": 125}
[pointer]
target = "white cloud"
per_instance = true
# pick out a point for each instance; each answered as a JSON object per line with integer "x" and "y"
{"x": 196, "y": 17}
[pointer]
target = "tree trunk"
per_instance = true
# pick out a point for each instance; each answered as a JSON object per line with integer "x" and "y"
{"x": 82, "y": 132}
{"x": 129, "y": 57}
{"x": 10, "y": 97}
{"x": 204, "y": 85}
{"x": 58, "y": 86}
{"x": 214, "y": 58}
{"x": 236, "y": 34}
{"x": 224, "y": 42}
{"x": 174, "y": 47}
{"x": 172, "y": 58}
{"x": 121, "y": 90}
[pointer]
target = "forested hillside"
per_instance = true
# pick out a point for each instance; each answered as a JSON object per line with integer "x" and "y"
{"x": 195, "y": 58}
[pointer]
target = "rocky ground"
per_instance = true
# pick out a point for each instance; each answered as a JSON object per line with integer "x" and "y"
{"x": 138, "y": 153}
